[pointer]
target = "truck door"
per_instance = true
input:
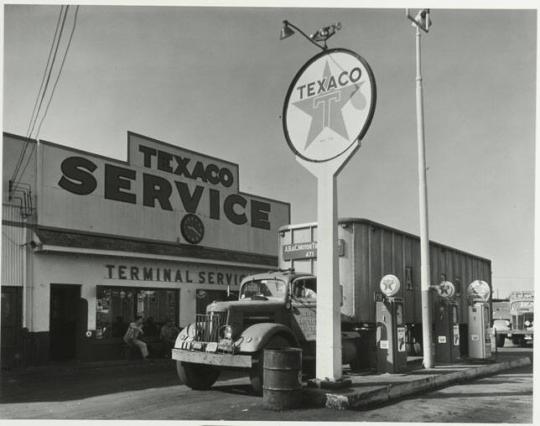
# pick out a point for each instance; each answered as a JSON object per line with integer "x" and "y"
{"x": 304, "y": 309}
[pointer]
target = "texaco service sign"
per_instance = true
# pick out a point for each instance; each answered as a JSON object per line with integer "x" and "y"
{"x": 329, "y": 105}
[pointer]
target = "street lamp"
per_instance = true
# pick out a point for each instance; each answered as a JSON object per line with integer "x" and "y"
{"x": 422, "y": 21}
{"x": 318, "y": 37}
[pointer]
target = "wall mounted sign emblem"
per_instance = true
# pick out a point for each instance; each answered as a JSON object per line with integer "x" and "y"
{"x": 389, "y": 285}
{"x": 329, "y": 105}
{"x": 446, "y": 289}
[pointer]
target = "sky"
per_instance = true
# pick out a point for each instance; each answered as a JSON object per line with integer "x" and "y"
{"x": 214, "y": 79}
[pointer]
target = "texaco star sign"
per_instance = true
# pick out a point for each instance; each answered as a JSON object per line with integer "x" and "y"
{"x": 329, "y": 105}
{"x": 389, "y": 285}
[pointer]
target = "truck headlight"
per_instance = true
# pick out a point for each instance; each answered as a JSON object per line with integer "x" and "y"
{"x": 191, "y": 330}
{"x": 226, "y": 332}
{"x": 527, "y": 323}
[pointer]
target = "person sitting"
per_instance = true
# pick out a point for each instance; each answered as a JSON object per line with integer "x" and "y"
{"x": 305, "y": 292}
{"x": 132, "y": 336}
{"x": 309, "y": 293}
{"x": 168, "y": 334}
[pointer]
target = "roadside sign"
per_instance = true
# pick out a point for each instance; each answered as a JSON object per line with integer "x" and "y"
{"x": 329, "y": 105}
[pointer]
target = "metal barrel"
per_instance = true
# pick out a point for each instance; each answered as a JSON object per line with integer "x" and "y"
{"x": 282, "y": 378}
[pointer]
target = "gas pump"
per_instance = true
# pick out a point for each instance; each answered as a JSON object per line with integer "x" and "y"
{"x": 478, "y": 293}
{"x": 446, "y": 324}
{"x": 391, "y": 349}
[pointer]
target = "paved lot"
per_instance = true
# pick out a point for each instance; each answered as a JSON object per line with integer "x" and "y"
{"x": 153, "y": 392}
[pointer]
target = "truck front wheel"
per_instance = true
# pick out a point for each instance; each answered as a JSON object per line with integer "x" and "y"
{"x": 257, "y": 371}
{"x": 197, "y": 376}
{"x": 500, "y": 338}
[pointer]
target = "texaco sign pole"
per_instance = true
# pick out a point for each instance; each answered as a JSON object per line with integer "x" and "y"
{"x": 327, "y": 110}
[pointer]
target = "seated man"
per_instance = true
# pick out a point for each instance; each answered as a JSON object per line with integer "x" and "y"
{"x": 303, "y": 291}
{"x": 132, "y": 336}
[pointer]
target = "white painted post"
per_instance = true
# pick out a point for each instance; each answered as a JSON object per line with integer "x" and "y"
{"x": 328, "y": 353}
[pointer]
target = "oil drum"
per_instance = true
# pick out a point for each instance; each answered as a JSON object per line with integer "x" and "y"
{"x": 282, "y": 378}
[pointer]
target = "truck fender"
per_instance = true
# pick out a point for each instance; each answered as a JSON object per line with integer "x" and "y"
{"x": 255, "y": 337}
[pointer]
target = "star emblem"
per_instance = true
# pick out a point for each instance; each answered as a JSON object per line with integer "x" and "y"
{"x": 326, "y": 107}
{"x": 388, "y": 285}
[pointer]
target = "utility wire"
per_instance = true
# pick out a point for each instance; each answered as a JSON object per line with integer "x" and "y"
{"x": 54, "y": 87}
{"x": 48, "y": 74}
{"x": 45, "y": 71}
{"x": 50, "y": 70}
{"x": 59, "y": 71}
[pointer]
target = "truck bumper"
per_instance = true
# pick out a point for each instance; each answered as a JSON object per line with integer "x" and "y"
{"x": 208, "y": 358}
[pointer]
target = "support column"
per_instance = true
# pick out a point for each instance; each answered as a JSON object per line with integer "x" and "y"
{"x": 328, "y": 353}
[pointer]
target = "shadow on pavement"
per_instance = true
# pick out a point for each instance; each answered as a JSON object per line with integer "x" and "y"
{"x": 84, "y": 383}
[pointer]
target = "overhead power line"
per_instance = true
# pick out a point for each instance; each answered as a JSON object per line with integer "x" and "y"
{"x": 59, "y": 71}
{"x": 46, "y": 72}
{"x": 46, "y": 80}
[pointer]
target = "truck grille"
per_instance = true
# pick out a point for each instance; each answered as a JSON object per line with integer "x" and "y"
{"x": 518, "y": 321}
{"x": 208, "y": 326}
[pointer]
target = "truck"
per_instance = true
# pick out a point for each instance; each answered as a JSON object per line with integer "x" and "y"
{"x": 274, "y": 310}
{"x": 520, "y": 326}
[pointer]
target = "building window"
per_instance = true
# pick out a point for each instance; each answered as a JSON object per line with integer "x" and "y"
{"x": 408, "y": 278}
{"x": 118, "y": 306}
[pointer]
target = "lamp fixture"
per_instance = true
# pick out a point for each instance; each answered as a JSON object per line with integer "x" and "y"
{"x": 318, "y": 38}
{"x": 422, "y": 19}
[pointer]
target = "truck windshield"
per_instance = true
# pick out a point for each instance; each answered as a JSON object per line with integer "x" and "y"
{"x": 267, "y": 288}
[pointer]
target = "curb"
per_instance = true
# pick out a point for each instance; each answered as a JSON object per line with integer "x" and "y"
{"x": 354, "y": 399}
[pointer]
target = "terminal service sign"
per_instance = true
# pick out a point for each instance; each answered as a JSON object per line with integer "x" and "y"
{"x": 329, "y": 105}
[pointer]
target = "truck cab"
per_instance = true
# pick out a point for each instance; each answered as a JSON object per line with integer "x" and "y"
{"x": 522, "y": 316}
{"x": 273, "y": 310}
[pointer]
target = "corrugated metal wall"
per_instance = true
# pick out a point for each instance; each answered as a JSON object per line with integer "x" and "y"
{"x": 372, "y": 251}
{"x": 390, "y": 252}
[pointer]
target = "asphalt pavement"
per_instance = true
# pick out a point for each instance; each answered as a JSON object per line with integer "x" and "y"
{"x": 86, "y": 390}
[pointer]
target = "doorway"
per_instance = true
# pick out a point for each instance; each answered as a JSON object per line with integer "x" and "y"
{"x": 64, "y": 317}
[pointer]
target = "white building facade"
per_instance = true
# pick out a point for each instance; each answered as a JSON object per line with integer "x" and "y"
{"x": 90, "y": 242}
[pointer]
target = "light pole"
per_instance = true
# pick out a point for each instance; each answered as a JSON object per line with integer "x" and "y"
{"x": 422, "y": 22}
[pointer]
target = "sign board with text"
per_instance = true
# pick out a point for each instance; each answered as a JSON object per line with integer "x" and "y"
{"x": 329, "y": 105}
{"x": 307, "y": 250}
{"x": 161, "y": 193}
